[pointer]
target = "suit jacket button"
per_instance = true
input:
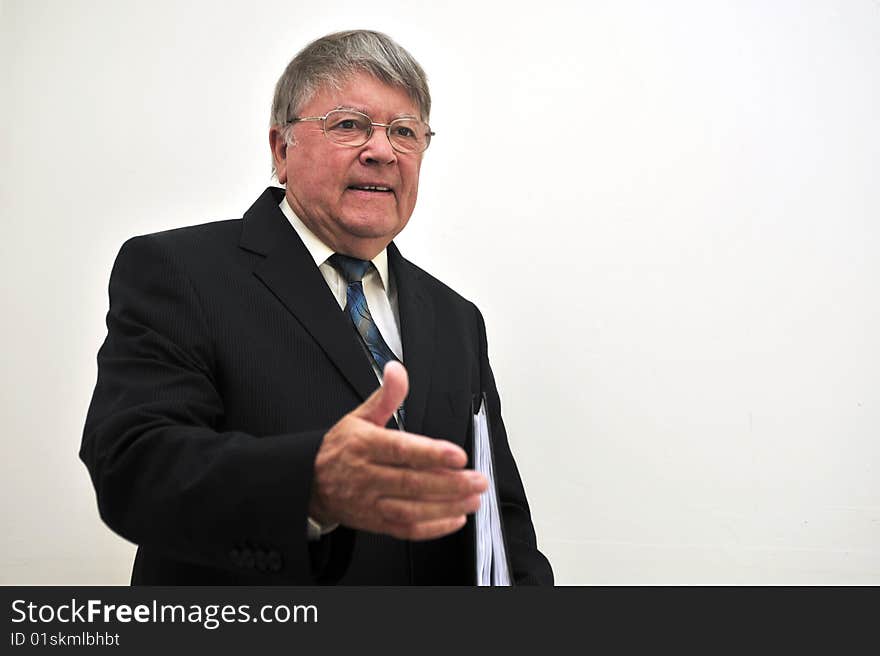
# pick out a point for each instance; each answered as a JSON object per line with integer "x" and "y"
{"x": 274, "y": 561}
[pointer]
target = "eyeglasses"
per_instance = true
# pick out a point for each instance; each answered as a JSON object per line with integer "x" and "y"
{"x": 350, "y": 128}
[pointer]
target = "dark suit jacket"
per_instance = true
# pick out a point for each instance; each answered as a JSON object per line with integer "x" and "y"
{"x": 226, "y": 360}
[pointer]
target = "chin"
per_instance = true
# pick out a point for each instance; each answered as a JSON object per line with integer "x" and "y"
{"x": 372, "y": 227}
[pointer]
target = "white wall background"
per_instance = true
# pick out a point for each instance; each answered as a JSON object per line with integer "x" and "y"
{"x": 668, "y": 213}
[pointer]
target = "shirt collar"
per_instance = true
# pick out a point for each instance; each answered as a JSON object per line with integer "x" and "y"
{"x": 320, "y": 251}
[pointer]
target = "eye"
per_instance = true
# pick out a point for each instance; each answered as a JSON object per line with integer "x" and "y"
{"x": 346, "y": 122}
{"x": 404, "y": 131}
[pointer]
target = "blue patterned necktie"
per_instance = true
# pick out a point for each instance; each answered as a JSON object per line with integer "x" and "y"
{"x": 353, "y": 271}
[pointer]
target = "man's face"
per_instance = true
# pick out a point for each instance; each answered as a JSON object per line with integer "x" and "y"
{"x": 324, "y": 179}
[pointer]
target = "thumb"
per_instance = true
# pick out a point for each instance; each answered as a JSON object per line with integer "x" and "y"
{"x": 384, "y": 401}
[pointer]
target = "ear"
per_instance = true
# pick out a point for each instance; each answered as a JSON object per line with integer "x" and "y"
{"x": 278, "y": 144}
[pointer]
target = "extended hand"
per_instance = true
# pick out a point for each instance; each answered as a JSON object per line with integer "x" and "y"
{"x": 386, "y": 481}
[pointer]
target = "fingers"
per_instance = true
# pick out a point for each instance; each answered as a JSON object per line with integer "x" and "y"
{"x": 427, "y": 484}
{"x": 387, "y": 481}
{"x": 425, "y": 530}
{"x": 406, "y": 512}
{"x": 384, "y": 401}
{"x": 391, "y": 447}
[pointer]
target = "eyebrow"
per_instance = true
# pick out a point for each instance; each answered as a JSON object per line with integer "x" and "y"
{"x": 364, "y": 111}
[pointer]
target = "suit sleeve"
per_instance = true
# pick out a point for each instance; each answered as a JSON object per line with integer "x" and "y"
{"x": 164, "y": 476}
{"x": 529, "y": 565}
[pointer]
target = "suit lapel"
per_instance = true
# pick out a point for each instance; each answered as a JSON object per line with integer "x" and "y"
{"x": 416, "y": 311}
{"x": 289, "y": 272}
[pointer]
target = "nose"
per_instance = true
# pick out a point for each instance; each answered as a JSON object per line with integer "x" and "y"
{"x": 378, "y": 149}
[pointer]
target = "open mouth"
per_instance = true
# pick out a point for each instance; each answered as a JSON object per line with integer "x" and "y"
{"x": 376, "y": 189}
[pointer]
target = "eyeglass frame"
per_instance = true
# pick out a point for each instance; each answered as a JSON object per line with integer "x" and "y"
{"x": 306, "y": 119}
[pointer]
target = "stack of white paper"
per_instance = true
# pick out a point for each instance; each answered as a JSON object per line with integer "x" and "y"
{"x": 491, "y": 556}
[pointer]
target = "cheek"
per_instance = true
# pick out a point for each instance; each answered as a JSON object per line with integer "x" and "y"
{"x": 412, "y": 185}
{"x": 310, "y": 185}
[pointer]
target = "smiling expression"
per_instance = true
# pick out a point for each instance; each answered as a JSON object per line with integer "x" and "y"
{"x": 355, "y": 199}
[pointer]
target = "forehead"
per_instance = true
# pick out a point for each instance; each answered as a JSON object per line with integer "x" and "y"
{"x": 365, "y": 93}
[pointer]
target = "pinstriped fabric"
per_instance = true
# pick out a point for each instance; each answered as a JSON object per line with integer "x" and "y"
{"x": 353, "y": 270}
{"x": 225, "y": 364}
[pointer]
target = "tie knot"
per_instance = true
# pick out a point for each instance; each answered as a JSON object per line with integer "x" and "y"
{"x": 351, "y": 268}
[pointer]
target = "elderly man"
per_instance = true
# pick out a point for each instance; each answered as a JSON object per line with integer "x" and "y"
{"x": 236, "y": 434}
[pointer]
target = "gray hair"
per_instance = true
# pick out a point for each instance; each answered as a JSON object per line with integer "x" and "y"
{"x": 331, "y": 59}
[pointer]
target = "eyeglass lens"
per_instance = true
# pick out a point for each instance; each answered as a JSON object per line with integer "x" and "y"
{"x": 353, "y": 129}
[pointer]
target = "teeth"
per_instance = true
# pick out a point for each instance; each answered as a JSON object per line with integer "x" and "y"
{"x": 372, "y": 188}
